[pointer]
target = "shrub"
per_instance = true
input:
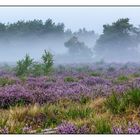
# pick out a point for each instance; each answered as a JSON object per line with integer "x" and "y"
{"x": 67, "y": 128}
{"x": 37, "y": 69}
{"x": 102, "y": 126}
{"x": 13, "y": 95}
{"x": 24, "y": 66}
{"x": 133, "y": 128}
{"x": 70, "y": 128}
{"x": 47, "y": 58}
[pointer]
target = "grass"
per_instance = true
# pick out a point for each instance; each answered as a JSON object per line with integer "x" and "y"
{"x": 70, "y": 79}
{"x": 119, "y": 104}
{"x": 95, "y": 74}
{"x": 100, "y": 114}
{"x": 102, "y": 126}
{"x": 115, "y": 104}
{"x": 122, "y": 79}
{"x": 133, "y": 97}
{"x": 5, "y": 81}
{"x": 78, "y": 112}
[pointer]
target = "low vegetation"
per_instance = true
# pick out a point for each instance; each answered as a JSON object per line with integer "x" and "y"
{"x": 37, "y": 99}
{"x": 27, "y": 66}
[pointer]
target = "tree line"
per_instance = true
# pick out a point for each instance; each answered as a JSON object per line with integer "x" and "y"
{"x": 120, "y": 37}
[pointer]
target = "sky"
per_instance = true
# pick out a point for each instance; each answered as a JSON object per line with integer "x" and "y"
{"x": 92, "y": 18}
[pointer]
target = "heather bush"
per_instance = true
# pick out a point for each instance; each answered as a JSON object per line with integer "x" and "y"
{"x": 15, "y": 95}
{"x": 132, "y": 128}
{"x": 4, "y": 130}
{"x": 70, "y": 128}
{"x": 67, "y": 128}
{"x": 83, "y": 130}
{"x": 117, "y": 130}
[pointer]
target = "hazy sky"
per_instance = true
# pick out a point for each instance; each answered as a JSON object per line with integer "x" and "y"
{"x": 74, "y": 18}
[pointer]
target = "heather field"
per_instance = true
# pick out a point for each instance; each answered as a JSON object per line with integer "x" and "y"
{"x": 69, "y": 70}
{"x": 97, "y": 98}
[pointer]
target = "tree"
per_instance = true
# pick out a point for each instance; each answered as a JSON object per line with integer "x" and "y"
{"x": 117, "y": 39}
{"x": 24, "y": 66}
{"x": 31, "y": 27}
{"x": 77, "y": 48}
{"x": 47, "y": 58}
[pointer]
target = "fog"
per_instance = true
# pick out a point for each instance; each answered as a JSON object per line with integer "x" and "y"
{"x": 14, "y": 49}
{"x": 97, "y": 44}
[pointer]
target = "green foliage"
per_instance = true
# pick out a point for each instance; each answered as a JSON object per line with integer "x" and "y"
{"x": 37, "y": 27}
{"x": 102, "y": 126}
{"x": 117, "y": 37}
{"x": 47, "y": 58}
{"x": 132, "y": 97}
{"x": 18, "y": 130}
{"x": 84, "y": 99}
{"x": 78, "y": 112}
{"x": 77, "y": 48}
{"x": 115, "y": 104}
{"x": 24, "y": 66}
{"x": 118, "y": 104}
{"x": 69, "y": 79}
{"x": 136, "y": 74}
{"x": 5, "y": 81}
{"x": 52, "y": 115}
{"x": 3, "y": 121}
{"x": 20, "y": 102}
{"x": 27, "y": 66}
{"x": 95, "y": 74}
{"x": 37, "y": 69}
{"x": 23, "y": 78}
{"x": 121, "y": 79}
